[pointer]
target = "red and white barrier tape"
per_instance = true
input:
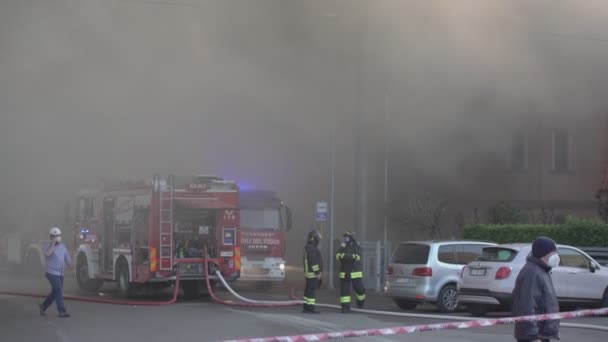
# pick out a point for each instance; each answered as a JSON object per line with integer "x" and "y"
{"x": 427, "y": 327}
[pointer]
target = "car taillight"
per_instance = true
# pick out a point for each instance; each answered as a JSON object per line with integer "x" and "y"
{"x": 503, "y": 273}
{"x": 389, "y": 270}
{"x": 462, "y": 272}
{"x": 423, "y": 272}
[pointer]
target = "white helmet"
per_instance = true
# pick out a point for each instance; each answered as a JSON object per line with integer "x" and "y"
{"x": 55, "y": 231}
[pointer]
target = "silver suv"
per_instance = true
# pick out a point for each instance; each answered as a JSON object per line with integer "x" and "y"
{"x": 428, "y": 272}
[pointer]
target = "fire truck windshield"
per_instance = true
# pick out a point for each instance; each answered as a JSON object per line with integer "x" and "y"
{"x": 260, "y": 219}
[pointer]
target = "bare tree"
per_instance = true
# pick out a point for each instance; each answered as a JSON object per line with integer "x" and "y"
{"x": 425, "y": 213}
{"x": 602, "y": 204}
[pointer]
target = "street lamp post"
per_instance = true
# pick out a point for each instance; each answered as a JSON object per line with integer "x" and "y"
{"x": 386, "y": 151}
{"x": 329, "y": 16}
{"x": 332, "y": 202}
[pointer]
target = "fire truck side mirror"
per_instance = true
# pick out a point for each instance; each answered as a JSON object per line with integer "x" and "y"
{"x": 289, "y": 218}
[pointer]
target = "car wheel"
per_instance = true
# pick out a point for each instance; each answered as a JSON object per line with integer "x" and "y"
{"x": 479, "y": 310}
{"x": 124, "y": 283}
{"x": 82, "y": 276}
{"x": 405, "y": 305}
{"x": 448, "y": 299}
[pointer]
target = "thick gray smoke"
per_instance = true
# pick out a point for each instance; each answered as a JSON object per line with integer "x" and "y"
{"x": 250, "y": 90}
{"x": 461, "y": 77}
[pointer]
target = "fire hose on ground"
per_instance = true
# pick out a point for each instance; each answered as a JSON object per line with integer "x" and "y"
{"x": 247, "y": 302}
{"x": 103, "y": 300}
{"x": 173, "y": 299}
{"x": 161, "y": 303}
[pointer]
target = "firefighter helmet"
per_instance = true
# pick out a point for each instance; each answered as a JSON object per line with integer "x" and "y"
{"x": 315, "y": 236}
{"x": 55, "y": 231}
{"x": 348, "y": 236}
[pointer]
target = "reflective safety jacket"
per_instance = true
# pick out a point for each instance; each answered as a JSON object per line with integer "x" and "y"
{"x": 350, "y": 261}
{"x": 313, "y": 263}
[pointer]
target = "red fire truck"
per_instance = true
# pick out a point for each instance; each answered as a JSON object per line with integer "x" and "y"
{"x": 139, "y": 234}
{"x": 264, "y": 222}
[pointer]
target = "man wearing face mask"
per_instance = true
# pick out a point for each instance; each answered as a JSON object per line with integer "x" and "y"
{"x": 349, "y": 256}
{"x": 57, "y": 257}
{"x": 534, "y": 293}
{"x": 313, "y": 268}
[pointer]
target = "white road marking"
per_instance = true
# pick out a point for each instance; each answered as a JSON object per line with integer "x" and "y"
{"x": 292, "y": 320}
{"x": 301, "y": 322}
{"x": 62, "y": 336}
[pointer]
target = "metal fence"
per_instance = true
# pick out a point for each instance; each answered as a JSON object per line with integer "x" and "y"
{"x": 600, "y": 254}
{"x": 376, "y": 255}
{"x": 374, "y": 261}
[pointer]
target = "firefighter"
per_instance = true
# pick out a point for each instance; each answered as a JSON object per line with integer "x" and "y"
{"x": 349, "y": 257}
{"x": 313, "y": 267}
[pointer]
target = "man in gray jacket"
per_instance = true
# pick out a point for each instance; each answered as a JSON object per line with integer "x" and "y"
{"x": 534, "y": 293}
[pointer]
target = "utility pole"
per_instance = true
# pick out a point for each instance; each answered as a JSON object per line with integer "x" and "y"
{"x": 386, "y": 152}
{"x": 330, "y": 17}
{"x": 359, "y": 175}
{"x": 332, "y": 203}
{"x": 362, "y": 99}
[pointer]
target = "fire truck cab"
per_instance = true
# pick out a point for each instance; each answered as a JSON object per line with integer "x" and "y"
{"x": 140, "y": 234}
{"x": 265, "y": 220}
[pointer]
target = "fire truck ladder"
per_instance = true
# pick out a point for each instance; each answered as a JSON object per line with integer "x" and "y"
{"x": 166, "y": 194}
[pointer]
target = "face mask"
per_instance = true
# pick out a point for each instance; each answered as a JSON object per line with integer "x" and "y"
{"x": 58, "y": 239}
{"x": 553, "y": 261}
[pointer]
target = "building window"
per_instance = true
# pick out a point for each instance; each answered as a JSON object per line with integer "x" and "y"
{"x": 519, "y": 152}
{"x": 562, "y": 152}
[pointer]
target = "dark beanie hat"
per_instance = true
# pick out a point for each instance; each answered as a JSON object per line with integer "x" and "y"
{"x": 543, "y": 246}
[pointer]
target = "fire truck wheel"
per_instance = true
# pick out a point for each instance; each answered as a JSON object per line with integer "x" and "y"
{"x": 124, "y": 284}
{"x": 82, "y": 276}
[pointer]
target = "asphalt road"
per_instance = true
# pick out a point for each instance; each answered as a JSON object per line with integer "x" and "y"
{"x": 203, "y": 320}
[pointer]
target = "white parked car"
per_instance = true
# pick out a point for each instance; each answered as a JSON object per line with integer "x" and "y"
{"x": 487, "y": 283}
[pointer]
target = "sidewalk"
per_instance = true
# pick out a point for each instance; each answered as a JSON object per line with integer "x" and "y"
{"x": 374, "y": 301}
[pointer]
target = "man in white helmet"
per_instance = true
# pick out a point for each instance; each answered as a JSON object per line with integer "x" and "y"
{"x": 57, "y": 257}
